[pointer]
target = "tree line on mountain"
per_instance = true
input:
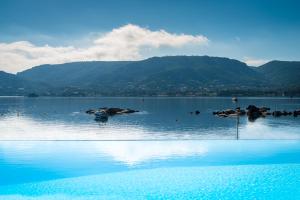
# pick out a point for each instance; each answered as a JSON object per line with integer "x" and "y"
{"x": 157, "y": 76}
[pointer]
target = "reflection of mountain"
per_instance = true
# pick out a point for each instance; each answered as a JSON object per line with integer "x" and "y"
{"x": 171, "y": 75}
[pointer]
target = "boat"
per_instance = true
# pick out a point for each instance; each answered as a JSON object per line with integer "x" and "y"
{"x": 235, "y": 99}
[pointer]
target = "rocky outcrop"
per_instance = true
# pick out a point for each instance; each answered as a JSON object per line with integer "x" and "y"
{"x": 115, "y": 111}
{"x": 230, "y": 112}
{"x": 102, "y": 114}
{"x": 101, "y": 117}
{"x": 281, "y": 113}
{"x": 90, "y": 111}
{"x": 111, "y": 111}
{"x": 296, "y": 113}
{"x": 254, "y": 112}
{"x": 277, "y": 113}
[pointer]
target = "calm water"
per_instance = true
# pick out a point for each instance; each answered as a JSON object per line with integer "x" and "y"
{"x": 51, "y": 149}
{"x": 160, "y": 118}
{"x": 210, "y": 169}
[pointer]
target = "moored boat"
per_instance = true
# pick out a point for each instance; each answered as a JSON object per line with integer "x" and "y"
{"x": 235, "y": 99}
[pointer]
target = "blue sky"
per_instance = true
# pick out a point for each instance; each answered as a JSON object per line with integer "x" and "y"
{"x": 255, "y": 31}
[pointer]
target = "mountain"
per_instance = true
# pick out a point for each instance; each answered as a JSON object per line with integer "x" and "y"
{"x": 190, "y": 70}
{"x": 169, "y": 75}
{"x": 71, "y": 74}
{"x": 13, "y": 85}
{"x": 282, "y": 73}
{"x": 153, "y": 76}
{"x": 10, "y": 84}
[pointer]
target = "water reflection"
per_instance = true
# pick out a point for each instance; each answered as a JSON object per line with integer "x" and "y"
{"x": 134, "y": 153}
{"x": 25, "y": 128}
{"x": 160, "y": 118}
{"x": 45, "y": 160}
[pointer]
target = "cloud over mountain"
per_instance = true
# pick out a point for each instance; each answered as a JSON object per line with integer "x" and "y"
{"x": 123, "y": 43}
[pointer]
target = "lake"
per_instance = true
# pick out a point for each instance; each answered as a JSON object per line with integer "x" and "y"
{"x": 158, "y": 119}
{"x": 51, "y": 149}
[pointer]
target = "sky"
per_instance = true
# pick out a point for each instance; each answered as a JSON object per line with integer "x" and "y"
{"x": 35, "y": 32}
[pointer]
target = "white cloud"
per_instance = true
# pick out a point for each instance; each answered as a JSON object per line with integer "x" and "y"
{"x": 123, "y": 43}
{"x": 255, "y": 62}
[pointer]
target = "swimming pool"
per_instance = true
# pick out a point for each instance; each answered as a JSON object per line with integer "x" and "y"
{"x": 197, "y": 169}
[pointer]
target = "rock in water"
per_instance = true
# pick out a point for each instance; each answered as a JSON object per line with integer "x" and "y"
{"x": 101, "y": 117}
{"x": 90, "y": 111}
{"x": 253, "y": 113}
{"x": 296, "y": 113}
{"x": 111, "y": 111}
{"x": 230, "y": 112}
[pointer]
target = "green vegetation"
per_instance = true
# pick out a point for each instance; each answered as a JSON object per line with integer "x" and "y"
{"x": 157, "y": 76}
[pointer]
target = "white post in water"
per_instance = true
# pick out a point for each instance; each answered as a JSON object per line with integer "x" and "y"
{"x": 237, "y": 117}
{"x": 237, "y": 126}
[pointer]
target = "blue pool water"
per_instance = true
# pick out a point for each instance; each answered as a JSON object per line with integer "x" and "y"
{"x": 234, "y": 182}
{"x": 51, "y": 149}
{"x": 215, "y": 169}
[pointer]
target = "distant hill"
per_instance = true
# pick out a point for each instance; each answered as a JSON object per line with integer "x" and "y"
{"x": 11, "y": 84}
{"x": 170, "y": 75}
{"x": 190, "y": 70}
{"x": 282, "y": 73}
{"x": 71, "y": 74}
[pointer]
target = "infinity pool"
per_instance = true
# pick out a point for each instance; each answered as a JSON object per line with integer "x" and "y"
{"x": 51, "y": 149}
{"x": 210, "y": 169}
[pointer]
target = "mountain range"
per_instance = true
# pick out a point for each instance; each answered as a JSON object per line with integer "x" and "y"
{"x": 169, "y": 75}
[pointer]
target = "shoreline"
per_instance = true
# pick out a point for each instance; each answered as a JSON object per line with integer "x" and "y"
{"x": 158, "y": 97}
